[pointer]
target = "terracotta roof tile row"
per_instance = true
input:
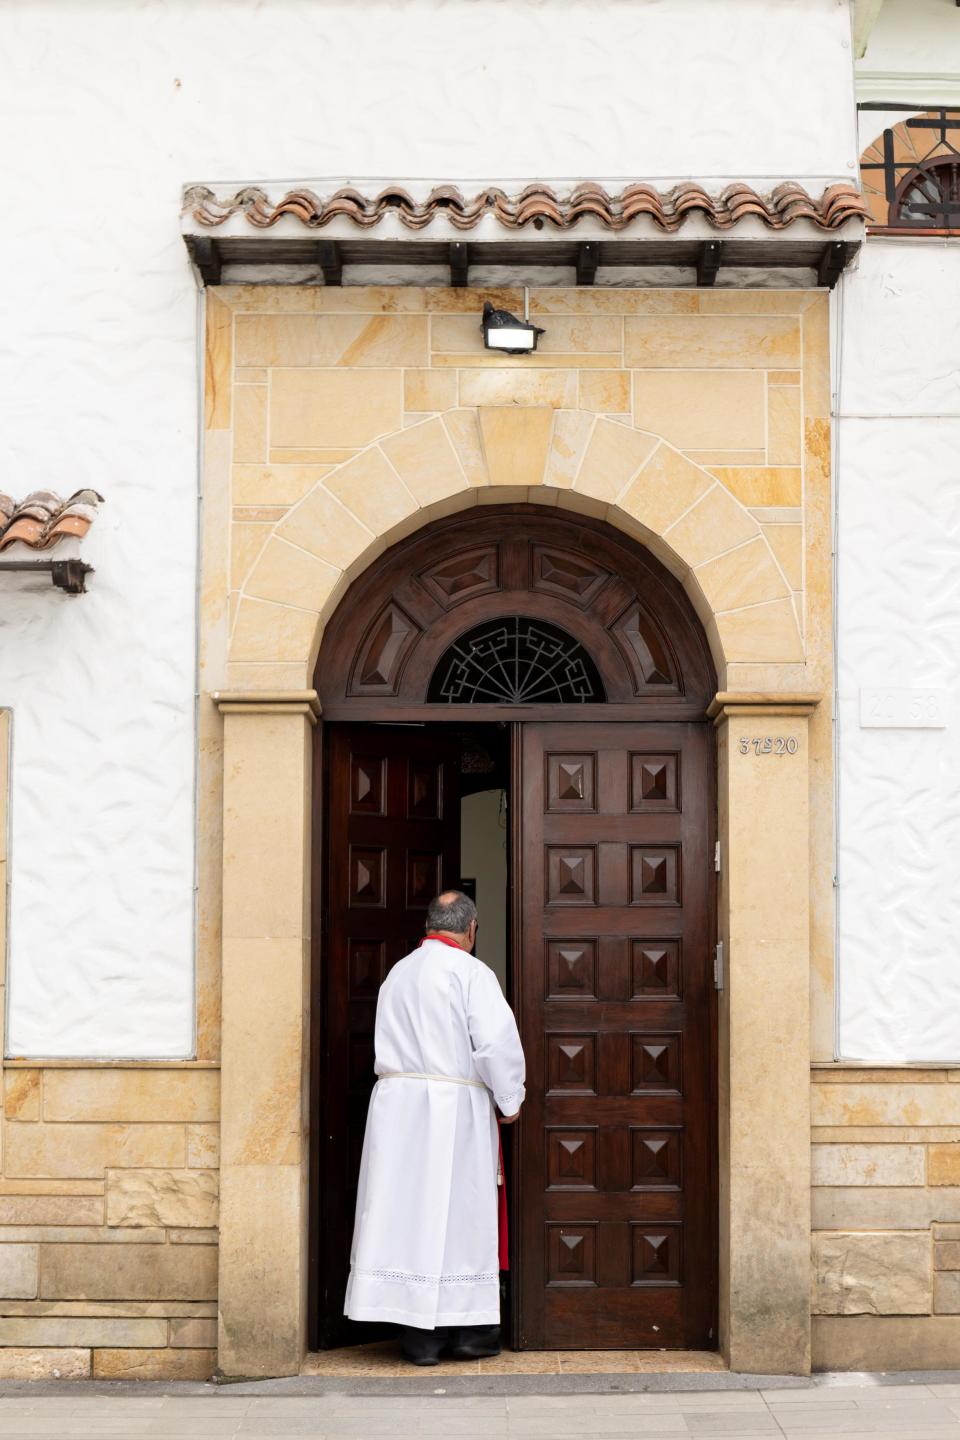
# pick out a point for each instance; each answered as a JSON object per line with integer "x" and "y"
{"x": 537, "y": 205}
{"x": 45, "y": 518}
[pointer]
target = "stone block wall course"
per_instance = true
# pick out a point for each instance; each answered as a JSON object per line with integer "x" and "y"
{"x": 108, "y": 1220}
{"x": 886, "y": 1216}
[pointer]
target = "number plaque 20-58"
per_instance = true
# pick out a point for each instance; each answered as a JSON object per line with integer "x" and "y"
{"x": 769, "y": 745}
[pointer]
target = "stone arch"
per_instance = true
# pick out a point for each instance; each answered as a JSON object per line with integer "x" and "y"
{"x": 583, "y": 462}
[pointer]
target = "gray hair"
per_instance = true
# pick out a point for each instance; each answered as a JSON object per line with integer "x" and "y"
{"x": 451, "y": 911}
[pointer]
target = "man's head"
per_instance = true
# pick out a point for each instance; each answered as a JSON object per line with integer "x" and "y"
{"x": 454, "y": 914}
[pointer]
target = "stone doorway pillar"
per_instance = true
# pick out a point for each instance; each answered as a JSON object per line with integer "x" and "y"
{"x": 267, "y": 793}
{"x": 764, "y": 1090}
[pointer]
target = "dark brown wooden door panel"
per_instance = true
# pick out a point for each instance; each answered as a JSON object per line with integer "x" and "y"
{"x": 393, "y": 841}
{"x": 616, "y": 1191}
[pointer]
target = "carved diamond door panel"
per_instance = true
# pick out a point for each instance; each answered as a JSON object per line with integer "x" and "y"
{"x": 616, "y": 1199}
{"x": 393, "y": 842}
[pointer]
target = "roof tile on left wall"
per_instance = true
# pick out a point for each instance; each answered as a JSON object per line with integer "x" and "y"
{"x": 44, "y": 518}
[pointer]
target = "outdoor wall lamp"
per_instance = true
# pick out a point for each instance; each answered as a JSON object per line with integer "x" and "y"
{"x": 503, "y": 331}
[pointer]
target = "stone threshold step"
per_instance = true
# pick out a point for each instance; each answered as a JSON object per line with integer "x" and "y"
{"x": 384, "y": 1361}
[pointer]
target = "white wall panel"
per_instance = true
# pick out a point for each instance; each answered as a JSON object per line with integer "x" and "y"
{"x": 899, "y": 625}
{"x": 111, "y": 106}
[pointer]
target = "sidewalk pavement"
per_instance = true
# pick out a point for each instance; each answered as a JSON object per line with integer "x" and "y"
{"x": 909, "y": 1407}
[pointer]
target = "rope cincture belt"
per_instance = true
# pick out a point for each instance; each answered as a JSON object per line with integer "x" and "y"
{"x": 423, "y": 1075}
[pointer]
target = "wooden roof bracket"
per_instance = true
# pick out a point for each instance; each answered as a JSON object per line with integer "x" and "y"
{"x": 832, "y": 262}
{"x": 459, "y": 265}
{"x": 588, "y": 257}
{"x": 328, "y": 256}
{"x": 708, "y": 262}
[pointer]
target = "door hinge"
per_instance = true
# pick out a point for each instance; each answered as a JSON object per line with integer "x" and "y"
{"x": 716, "y": 857}
{"x": 718, "y": 965}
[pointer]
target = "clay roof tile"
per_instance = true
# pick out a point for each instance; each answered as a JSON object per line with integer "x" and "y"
{"x": 785, "y": 204}
{"x": 43, "y": 517}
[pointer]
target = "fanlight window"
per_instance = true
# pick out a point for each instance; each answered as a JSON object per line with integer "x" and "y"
{"x": 516, "y": 661}
{"x": 930, "y": 197}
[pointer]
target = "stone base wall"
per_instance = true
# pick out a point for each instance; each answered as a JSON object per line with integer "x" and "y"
{"x": 886, "y": 1218}
{"x": 108, "y": 1220}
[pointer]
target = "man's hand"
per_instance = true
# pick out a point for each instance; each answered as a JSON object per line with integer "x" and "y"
{"x": 509, "y": 1119}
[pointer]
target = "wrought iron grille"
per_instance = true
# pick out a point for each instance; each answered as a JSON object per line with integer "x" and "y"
{"x": 516, "y": 661}
{"x": 930, "y": 195}
{"x": 923, "y": 192}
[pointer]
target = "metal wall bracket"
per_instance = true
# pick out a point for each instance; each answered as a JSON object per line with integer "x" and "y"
{"x": 67, "y": 575}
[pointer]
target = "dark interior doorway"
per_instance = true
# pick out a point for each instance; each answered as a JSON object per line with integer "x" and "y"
{"x": 412, "y": 810}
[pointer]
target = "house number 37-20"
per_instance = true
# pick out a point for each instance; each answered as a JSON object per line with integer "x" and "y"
{"x": 770, "y": 745}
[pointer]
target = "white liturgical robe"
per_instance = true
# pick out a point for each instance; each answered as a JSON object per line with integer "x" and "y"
{"x": 425, "y": 1240}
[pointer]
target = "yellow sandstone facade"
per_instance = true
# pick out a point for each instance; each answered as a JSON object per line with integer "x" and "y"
{"x": 337, "y": 421}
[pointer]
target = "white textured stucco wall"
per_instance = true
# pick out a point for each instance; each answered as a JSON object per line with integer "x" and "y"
{"x": 899, "y": 626}
{"x": 110, "y": 106}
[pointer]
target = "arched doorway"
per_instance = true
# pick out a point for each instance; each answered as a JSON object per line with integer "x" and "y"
{"x": 573, "y": 665}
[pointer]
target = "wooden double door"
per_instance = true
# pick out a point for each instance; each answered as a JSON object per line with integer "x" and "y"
{"x": 613, "y": 1191}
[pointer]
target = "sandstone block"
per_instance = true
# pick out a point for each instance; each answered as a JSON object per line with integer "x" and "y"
{"x": 783, "y": 426}
{"x": 268, "y": 632}
{"x": 877, "y": 1207}
{"x": 515, "y": 443}
{"x": 51, "y": 1210}
{"x": 880, "y": 1273}
{"x": 328, "y": 340}
{"x": 372, "y": 491}
{"x": 79, "y": 1235}
{"x": 60, "y": 1187}
{"x": 193, "y": 1237}
{"x": 607, "y": 391}
{"x": 61, "y": 1331}
{"x": 943, "y": 1165}
{"x": 503, "y": 385}
{"x": 136, "y": 1094}
{"x": 17, "y": 1363}
{"x": 708, "y": 342}
{"x": 333, "y": 408}
{"x": 193, "y": 1334}
{"x": 154, "y": 1364}
{"x": 21, "y": 1094}
{"x": 87, "y": 1150}
{"x": 885, "y": 1342}
{"x": 424, "y": 458}
{"x": 128, "y": 1272}
{"x": 868, "y": 1164}
{"x": 946, "y": 1292}
{"x": 728, "y": 414}
{"x": 162, "y": 1197}
{"x": 18, "y": 1272}
{"x": 429, "y": 389}
{"x": 250, "y": 424}
{"x": 946, "y": 1254}
{"x": 879, "y": 1104}
{"x": 112, "y": 1309}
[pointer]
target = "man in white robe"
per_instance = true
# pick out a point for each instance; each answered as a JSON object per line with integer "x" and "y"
{"x": 448, "y": 1057}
